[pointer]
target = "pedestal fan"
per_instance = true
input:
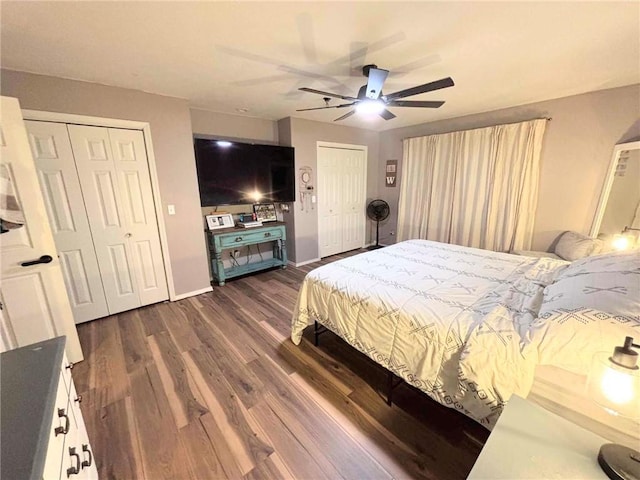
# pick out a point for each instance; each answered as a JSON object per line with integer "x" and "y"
{"x": 377, "y": 210}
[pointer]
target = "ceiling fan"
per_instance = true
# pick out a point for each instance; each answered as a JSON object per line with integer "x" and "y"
{"x": 370, "y": 98}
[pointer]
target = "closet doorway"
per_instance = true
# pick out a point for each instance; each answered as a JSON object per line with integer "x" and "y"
{"x": 342, "y": 195}
{"x": 98, "y": 193}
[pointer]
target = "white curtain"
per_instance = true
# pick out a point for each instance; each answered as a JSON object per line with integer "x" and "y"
{"x": 477, "y": 188}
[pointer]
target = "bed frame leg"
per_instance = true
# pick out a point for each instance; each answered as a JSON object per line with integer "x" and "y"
{"x": 316, "y": 334}
{"x": 389, "y": 388}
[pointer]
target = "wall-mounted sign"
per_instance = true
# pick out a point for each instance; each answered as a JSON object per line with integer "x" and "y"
{"x": 391, "y": 173}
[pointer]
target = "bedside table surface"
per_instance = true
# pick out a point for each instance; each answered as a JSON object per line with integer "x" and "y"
{"x": 531, "y": 442}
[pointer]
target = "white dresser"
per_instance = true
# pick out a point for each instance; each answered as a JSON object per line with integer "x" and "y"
{"x": 43, "y": 433}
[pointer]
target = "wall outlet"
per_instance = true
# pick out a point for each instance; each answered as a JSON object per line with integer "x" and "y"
{"x": 171, "y": 209}
{"x": 236, "y": 253}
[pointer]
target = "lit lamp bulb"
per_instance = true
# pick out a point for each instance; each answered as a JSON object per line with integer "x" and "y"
{"x": 256, "y": 195}
{"x": 614, "y": 383}
{"x": 621, "y": 242}
{"x": 617, "y": 387}
{"x": 370, "y": 107}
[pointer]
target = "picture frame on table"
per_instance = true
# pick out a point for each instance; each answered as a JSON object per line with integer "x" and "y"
{"x": 265, "y": 212}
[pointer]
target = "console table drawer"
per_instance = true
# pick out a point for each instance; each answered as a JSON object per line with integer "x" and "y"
{"x": 242, "y": 238}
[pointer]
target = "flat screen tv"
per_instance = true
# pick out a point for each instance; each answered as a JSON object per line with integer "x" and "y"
{"x": 231, "y": 173}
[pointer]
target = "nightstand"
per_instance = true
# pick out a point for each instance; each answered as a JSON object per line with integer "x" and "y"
{"x": 531, "y": 442}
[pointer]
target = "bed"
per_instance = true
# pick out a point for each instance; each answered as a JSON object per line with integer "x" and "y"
{"x": 461, "y": 324}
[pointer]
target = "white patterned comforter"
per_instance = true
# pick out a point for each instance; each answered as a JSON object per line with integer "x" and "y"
{"x": 452, "y": 321}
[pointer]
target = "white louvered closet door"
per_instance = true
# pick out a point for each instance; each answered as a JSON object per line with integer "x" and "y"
{"x": 341, "y": 200}
{"x": 55, "y": 164}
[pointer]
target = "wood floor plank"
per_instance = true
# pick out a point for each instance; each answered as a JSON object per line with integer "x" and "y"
{"x": 151, "y": 319}
{"x": 242, "y": 380}
{"x": 223, "y": 406}
{"x": 290, "y": 440}
{"x": 201, "y": 456}
{"x": 178, "y": 326}
{"x": 113, "y": 452}
{"x": 289, "y": 403}
{"x": 107, "y": 376}
{"x": 134, "y": 343}
{"x": 173, "y": 375}
{"x": 162, "y": 453}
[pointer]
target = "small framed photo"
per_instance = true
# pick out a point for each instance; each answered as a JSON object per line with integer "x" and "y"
{"x": 265, "y": 212}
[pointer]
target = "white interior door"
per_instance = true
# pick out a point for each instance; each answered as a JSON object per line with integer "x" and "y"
{"x": 353, "y": 199}
{"x": 101, "y": 190}
{"x": 34, "y": 296}
{"x": 51, "y": 149}
{"x": 329, "y": 202}
{"x": 341, "y": 199}
{"x": 132, "y": 168}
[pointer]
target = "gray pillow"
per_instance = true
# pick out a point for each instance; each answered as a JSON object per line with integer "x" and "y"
{"x": 609, "y": 283}
{"x": 574, "y": 246}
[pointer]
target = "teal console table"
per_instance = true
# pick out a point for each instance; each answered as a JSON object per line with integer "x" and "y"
{"x": 234, "y": 238}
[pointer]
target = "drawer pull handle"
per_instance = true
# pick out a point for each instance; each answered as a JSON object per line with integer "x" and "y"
{"x": 73, "y": 470}
{"x": 70, "y": 366}
{"x": 267, "y": 234}
{"x": 62, "y": 430}
{"x": 78, "y": 399}
{"x": 85, "y": 449}
{"x": 238, "y": 239}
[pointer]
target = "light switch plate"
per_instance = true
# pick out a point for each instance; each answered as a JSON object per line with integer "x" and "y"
{"x": 171, "y": 209}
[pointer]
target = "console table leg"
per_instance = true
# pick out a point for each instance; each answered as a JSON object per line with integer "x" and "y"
{"x": 220, "y": 269}
{"x": 283, "y": 252}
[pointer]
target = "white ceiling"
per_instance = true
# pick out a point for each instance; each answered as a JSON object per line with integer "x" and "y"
{"x": 226, "y": 56}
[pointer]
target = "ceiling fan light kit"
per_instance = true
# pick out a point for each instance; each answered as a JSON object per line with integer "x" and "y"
{"x": 371, "y": 99}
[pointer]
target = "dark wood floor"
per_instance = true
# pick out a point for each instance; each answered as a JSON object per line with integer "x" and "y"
{"x": 212, "y": 387}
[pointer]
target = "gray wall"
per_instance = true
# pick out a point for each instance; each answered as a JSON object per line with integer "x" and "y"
{"x": 170, "y": 123}
{"x": 576, "y": 152}
{"x": 238, "y": 127}
{"x": 304, "y": 137}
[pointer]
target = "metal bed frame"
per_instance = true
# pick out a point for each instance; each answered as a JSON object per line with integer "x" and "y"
{"x": 393, "y": 381}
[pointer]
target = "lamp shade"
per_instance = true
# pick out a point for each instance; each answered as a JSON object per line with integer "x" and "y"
{"x": 614, "y": 387}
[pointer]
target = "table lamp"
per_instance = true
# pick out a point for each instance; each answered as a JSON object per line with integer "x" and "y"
{"x": 614, "y": 384}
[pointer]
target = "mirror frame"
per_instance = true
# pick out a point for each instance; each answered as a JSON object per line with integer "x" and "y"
{"x": 606, "y": 188}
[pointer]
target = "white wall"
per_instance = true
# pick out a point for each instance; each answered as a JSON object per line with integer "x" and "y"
{"x": 576, "y": 152}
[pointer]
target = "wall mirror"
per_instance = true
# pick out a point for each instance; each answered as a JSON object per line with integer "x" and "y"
{"x": 619, "y": 206}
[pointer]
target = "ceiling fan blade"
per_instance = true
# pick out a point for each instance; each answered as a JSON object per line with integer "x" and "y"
{"x": 307, "y": 37}
{"x": 322, "y": 108}
{"x": 427, "y": 87}
{"x": 387, "y": 115}
{"x": 326, "y": 94}
{"x": 377, "y": 76}
{"x": 409, "y": 103}
{"x": 346, "y": 115}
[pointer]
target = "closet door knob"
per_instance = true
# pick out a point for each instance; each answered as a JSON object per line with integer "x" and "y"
{"x": 128, "y": 235}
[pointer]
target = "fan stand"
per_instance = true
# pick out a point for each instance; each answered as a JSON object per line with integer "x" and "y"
{"x": 377, "y": 245}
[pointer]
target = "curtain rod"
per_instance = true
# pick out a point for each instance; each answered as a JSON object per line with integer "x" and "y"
{"x": 548, "y": 119}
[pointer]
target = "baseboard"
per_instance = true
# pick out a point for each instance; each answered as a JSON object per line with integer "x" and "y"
{"x": 192, "y": 294}
{"x": 301, "y": 264}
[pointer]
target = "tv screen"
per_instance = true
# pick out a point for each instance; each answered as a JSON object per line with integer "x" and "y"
{"x": 241, "y": 173}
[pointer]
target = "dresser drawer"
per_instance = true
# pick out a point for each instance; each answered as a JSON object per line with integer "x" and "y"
{"x": 242, "y": 238}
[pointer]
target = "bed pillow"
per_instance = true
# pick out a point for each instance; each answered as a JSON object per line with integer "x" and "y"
{"x": 609, "y": 283}
{"x": 590, "y": 307}
{"x": 574, "y": 246}
{"x": 569, "y": 338}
